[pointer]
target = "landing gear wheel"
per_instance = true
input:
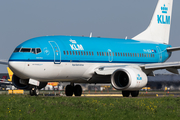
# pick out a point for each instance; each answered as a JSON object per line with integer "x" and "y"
{"x": 31, "y": 92}
{"x": 69, "y": 90}
{"x": 77, "y": 90}
{"x": 125, "y": 93}
{"x": 134, "y": 93}
{"x": 36, "y": 91}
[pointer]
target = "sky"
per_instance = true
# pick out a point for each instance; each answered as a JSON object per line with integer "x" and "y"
{"x": 21, "y": 20}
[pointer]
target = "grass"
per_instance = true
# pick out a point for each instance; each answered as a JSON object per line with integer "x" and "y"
{"x": 25, "y": 107}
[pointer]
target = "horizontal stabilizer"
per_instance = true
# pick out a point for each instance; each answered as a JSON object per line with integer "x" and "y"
{"x": 173, "y": 49}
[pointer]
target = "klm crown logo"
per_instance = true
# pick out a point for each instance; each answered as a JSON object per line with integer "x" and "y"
{"x": 164, "y": 19}
{"x": 164, "y": 9}
{"x": 139, "y": 77}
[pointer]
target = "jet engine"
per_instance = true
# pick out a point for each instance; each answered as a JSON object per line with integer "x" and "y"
{"x": 128, "y": 78}
{"x": 24, "y": 83}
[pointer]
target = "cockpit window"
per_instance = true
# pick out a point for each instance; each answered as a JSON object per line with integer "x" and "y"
{"x": 32, "y": 50}
{"x": 25, "y": 50}
{"x": 38, "y": 50}
{"x": 17, "y": 50}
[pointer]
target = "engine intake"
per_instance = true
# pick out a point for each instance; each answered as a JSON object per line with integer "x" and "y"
{"x": 128, "y": 79}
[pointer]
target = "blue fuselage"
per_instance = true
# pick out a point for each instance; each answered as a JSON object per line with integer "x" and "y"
{"x": 59, "y": 49}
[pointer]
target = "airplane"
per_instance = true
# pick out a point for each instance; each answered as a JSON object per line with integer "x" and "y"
{"x": 125, "y": 63}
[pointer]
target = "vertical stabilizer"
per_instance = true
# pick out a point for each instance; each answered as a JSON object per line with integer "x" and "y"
{"x": 159, "y": 28}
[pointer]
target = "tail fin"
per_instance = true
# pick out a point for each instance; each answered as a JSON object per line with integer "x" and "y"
{"x": 10, "y": 74}
{"x": 159, "y": 28}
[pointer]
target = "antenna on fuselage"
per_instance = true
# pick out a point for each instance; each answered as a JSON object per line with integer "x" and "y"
{"x": 90, "y": 35}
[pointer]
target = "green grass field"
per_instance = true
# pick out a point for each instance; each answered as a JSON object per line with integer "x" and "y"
{"x": 25, "y": 107}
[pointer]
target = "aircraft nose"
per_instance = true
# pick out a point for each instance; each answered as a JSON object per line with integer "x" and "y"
{"x": 16, "y": 63}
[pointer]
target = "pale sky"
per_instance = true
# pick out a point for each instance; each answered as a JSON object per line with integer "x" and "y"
{"x": 21, "y": 20}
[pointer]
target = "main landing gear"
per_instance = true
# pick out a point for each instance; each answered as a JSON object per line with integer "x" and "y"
{"x": 34, "y": 91}
{"x": 71, "y": 89}
{"x": 133, "y": 93}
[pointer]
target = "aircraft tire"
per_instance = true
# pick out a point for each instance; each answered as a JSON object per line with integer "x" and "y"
{"x": 36, "y": 91}
{"x": 69, "y": 90}
{"x": 77, "y": 90}
{"x": 31, "y": 92}
{"x": 125, "y": 93}
{"x": 134, "y": 93}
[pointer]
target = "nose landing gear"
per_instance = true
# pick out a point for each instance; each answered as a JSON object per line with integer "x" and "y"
{"x": 70, "y": 89}
{"x": 34, "y": 91}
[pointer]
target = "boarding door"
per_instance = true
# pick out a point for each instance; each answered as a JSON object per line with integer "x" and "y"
{"x": 57, "y": 52}
{"x": 110, "y": 55}
{"x": 160, "y": 53}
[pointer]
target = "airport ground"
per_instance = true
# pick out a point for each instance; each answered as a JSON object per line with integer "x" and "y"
{"x": 112, "y": 93}
{"x": 28, "y": 107}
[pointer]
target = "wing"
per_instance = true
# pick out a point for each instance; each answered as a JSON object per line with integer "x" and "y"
{"x": 4, "y": 62}
{"x": 170, "y": 66}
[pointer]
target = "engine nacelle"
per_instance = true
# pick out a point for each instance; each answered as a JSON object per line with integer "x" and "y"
{"x": 24, "y": 84}
{"x": 128, "y": 79}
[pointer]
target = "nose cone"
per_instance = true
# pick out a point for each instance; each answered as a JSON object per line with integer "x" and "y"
{"x": 16, "y": 64}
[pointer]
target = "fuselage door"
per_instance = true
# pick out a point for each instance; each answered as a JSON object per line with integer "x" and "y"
{"x": 110, "y": 55}
{"x": 160, "y": 53}
{"x": 57, "y": 52}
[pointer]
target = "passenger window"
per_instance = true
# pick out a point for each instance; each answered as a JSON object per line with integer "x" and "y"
{"x": 67, "y": 52}
{"x": 87, "y": 53}
{"x": 140, "y": 54}
{"x": 70, "y": 53}
{"x": 84, "y": 53}
{"x": 128, "y": 54}
{"x": 97, "y": 54}
{"x": 116, "y": 53}
{"x": 105, "y": 53}
{"x": 102, "y": 54}
{"x": 76, "y": 52}
{"x": 81, "y": 52}
{"x": 135, "y": 55}
{"x": 113, "y": 53}
{"x": 92, "y": 54}
{"x": 73, "y": 52}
